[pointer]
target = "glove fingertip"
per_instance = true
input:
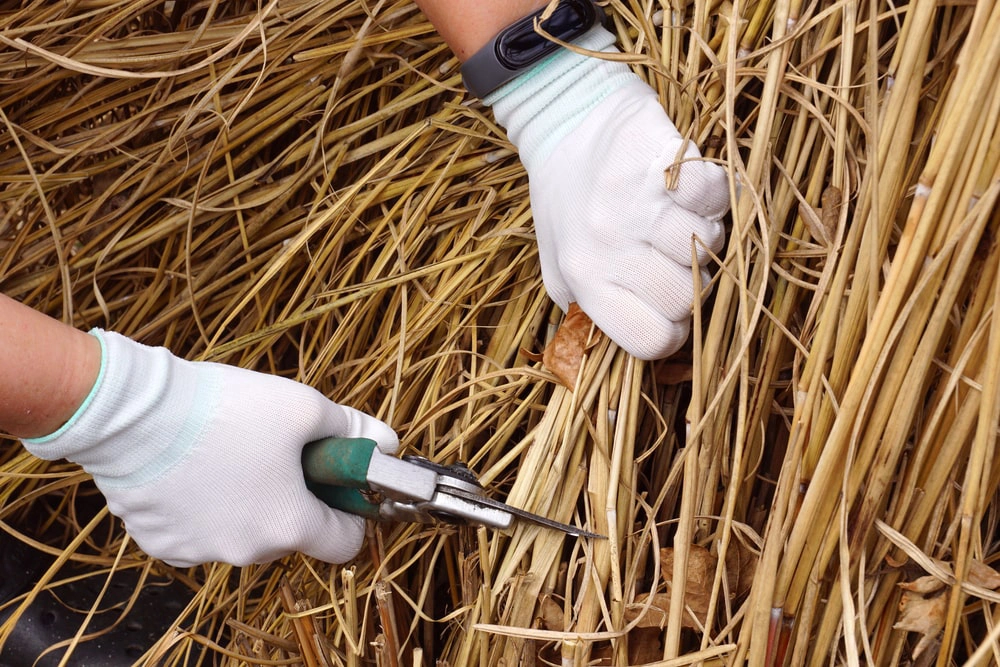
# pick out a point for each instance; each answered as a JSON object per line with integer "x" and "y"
{"x": 338, "y": 539}
{"x": 659, "y": 346}
{"x": 703, "y": 189}
{"x": 637, "y": 329}
{"x": 712, "y": 241}
{"x": 362, "y": 425}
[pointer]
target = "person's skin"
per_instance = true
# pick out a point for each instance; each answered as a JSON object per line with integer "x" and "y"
{"x": 48, "y": 368}
{"x": 467, "y": 26}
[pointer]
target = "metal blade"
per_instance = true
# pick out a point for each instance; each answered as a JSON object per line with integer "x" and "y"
{"x": 523, "y": 514}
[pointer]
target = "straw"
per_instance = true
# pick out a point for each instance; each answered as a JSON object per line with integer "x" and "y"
{"x": 304, "y": 188}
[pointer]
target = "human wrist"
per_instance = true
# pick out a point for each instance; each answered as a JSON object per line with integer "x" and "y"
{"x": 48, "y": 367}
{"x": 469, "y": 30}
{"x": 78, "y": 406}
{"x": 84, "y": 360}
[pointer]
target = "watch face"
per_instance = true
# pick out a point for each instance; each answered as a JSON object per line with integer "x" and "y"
{"x": 521, "y": 46}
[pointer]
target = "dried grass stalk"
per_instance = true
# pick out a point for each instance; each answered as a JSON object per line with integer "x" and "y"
{"x": 304, "y": 189}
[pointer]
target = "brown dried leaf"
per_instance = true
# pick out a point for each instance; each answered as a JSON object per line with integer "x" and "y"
{"x": 698, "y": 585}
{"x": 550, "y": 614}
{"x": 741, "y": 567}
{"x": 979, "y": 574}
{"x": 741, "y": 564}
{"x": 564, "y": 354}
{"x": 832, "y": 199}
{"x": 532, "y": 356}
{"x": 983, "y": 575}
{"x": 644, "y": 646}
{"x": 922, "y": 615}
{"x": 653, "y": 617}
{"x": 673, "y": 373}
{"x": 822, "y": 221}
{"x": 923, "y": 585}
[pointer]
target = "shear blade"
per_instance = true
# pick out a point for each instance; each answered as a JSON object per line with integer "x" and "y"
{"x": 524, "y": 514}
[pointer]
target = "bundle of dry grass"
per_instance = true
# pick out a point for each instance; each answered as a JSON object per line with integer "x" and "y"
{"x": 303, "y": 188}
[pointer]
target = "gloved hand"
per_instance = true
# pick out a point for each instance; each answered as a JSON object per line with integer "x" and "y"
{"x": 612, "y": 237}
{"x": 202, "y": 460}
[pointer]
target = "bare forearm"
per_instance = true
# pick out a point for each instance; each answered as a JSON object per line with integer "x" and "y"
{"x": 48, "y": 368}
{"x": 467, "y": 26}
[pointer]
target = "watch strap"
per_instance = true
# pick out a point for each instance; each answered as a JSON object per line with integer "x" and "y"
{"x": 517, "y": 48}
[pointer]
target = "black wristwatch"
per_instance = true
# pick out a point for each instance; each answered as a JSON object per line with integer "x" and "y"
{"x": 517, "y": 47}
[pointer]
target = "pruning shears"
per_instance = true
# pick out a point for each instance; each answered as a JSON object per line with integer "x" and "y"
{"x": 353, "y": 475}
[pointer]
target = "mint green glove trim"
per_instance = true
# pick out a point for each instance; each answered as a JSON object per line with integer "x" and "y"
{"x": 522, "y": 80}
{"x": 204, "y": 404}
{"x": 86, "y": 402}
{"x": 543, "y": 105}
{"x": 573, "y": 115}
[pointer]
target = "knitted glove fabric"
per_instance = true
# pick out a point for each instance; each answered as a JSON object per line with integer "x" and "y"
{"x": 612, "y": 236}
{"x": 202, "y": 460}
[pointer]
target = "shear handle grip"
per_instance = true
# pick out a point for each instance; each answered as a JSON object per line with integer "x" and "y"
{"x": 338, "y": 461}
{"x": 336, "y": 471}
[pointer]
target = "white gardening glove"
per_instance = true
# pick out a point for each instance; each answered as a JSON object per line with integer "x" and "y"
{"x": 612, "y": 237}
{"x": 202, "y": 461}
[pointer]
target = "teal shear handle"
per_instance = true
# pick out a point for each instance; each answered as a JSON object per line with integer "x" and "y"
{"x": 336, "y": 471}
{"x": 346, "y": 472}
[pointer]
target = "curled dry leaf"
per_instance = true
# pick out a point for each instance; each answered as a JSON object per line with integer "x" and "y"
{"x": 922, "y": 615}
{"x": 697, "y": 588}
{"x": 983, "y": 575}
{"x": 833, "y": 200}
{"x": 741, "y": 566}
{"x": 822, "y": 222}
{"x": 924, "y": 603}
{"x": 923, "y": 585}
{"x": 564, "y": 354}
{"x": 979, "y": 574}
{"x": 550, "y": 614}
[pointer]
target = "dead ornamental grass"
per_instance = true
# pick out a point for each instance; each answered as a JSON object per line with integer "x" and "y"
{"x": 304, "y": 188}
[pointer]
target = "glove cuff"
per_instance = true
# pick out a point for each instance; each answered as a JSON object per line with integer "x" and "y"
{"x": 540, "y": 107}
{"x": 143, "y": 415}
